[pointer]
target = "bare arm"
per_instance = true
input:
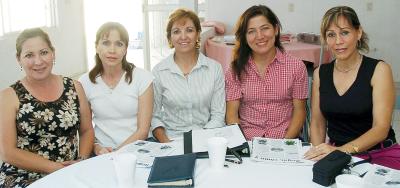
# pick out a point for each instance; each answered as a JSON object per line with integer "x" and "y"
{"x": 160, "y": 135}
{"x": 86, "y": 132}
{"x": 317, "y": 125}
{"x": 298, "y": 118}
{"x": 383, "y": 99}
{"x": 143, "y": 118}
{"x": 9, "y": 152}
{"x": 318, "y": 122}
{"x": 232, "y": 112}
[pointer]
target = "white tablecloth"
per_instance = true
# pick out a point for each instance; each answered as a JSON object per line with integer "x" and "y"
{"x": 99, "y": 172}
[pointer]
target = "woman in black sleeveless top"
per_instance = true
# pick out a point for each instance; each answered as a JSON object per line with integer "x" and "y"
{"x": 352, "y": 97}
{"x": 40, "y": 116}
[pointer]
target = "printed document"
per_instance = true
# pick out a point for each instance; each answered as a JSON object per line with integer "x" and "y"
{"x": 146, "y": 151}
{"x": 278, "y": 151}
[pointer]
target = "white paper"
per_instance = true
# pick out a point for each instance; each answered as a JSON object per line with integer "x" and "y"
{"x": 381, "y": 176}
{"x": 278, "y": 151}
{"x": 232, "y": 133}
{"x": 147, "y": 151}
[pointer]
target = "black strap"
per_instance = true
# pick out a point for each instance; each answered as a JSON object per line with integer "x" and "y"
{"x": 368, "y": 160}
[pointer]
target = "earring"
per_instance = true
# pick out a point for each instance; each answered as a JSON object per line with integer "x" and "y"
{"x": 20, "y": 68}
{"x": 170, "y": 44}
{"x": 54, "y": 62}
{"x": 197, "y": 45}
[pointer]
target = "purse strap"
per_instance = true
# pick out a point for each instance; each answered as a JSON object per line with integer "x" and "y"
{"x": 368, "y": 160}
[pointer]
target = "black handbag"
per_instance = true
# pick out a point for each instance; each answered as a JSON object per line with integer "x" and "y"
{"x": 326, "y": 169}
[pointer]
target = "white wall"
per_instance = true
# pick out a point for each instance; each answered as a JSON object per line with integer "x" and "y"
{"x": 68, "y": 39}
{"x": 382, "y": 23}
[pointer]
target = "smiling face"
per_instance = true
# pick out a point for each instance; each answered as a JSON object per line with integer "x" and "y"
{"x": 342, "y": 38}
{"x": 111, "y": 49}
{"x": 36, "y": 58}
{"x": 260, "y": 35}
{"x": 184, "y": 35}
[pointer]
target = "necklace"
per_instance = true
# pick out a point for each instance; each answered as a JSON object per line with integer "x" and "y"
{"x": 350, "y": 69}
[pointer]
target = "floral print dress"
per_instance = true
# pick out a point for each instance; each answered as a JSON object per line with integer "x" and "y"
{"x": 48, "y": 129}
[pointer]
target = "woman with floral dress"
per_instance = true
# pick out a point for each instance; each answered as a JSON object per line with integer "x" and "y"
{"x": 40, "y": 116}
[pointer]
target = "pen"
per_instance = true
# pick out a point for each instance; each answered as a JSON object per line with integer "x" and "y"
{"x": 233, "y": 161}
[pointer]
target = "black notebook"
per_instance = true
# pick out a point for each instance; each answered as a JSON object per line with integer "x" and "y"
{"x": 173, "y": 171}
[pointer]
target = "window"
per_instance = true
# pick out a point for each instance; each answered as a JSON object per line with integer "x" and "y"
{"x": 17, "y": 15}
{"x": 156, "y": 13}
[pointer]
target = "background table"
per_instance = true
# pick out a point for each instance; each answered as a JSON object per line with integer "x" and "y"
{"x": 222, "y": 52}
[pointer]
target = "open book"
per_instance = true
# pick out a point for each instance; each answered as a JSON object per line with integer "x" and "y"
{"x": 278, "y": 151}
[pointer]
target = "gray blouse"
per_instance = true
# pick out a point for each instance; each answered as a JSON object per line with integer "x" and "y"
{"x": 185, "y": 103}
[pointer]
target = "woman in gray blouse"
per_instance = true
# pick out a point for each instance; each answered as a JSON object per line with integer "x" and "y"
{"x": 188, "y": 87}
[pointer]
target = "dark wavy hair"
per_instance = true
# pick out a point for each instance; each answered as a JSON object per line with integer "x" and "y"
{"x": 104, "y": 30}
{"x": 332, "y": 17}
{"x": 242, "y": 50}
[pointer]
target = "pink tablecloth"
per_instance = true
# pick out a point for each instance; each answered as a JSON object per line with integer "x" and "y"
{"x": 222, "y": 52}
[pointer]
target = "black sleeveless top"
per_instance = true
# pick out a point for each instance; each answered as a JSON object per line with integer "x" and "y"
{"x": 350, "y": 115}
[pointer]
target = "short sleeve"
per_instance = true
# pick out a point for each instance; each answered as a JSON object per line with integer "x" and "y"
{"x": 300, "y": 83}
{"x": 145, "y": 77}
{"x": 86, "y": 83}
{"x": 232, "y": 86}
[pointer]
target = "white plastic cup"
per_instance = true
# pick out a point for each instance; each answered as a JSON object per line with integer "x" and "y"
{"x": 216, "y": 151}
{"x": 349, "y": 181}
{"x": 125, "y": 168}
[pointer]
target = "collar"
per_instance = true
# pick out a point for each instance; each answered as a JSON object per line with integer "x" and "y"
{"x": 173, "y": 67}
{"x": 279, "y": 58}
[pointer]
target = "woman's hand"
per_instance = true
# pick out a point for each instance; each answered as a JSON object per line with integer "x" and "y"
{"x": 67, "y": 163}
{"x": 318, "y": 152}
{"x": 99, "y": 150}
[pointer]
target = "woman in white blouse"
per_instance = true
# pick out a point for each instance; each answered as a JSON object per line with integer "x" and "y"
{"x": 188, "y": 87}
{"x": 120, "y": 94}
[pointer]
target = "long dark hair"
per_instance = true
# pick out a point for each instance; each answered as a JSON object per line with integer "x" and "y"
{"x": 242, "y": 50}
{"x": 105, "y": 29}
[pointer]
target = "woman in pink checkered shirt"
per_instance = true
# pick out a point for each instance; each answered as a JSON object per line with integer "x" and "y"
{"x": 266, "y": 88}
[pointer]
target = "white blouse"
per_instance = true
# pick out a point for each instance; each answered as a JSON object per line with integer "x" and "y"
{"x": 115, "y": 110}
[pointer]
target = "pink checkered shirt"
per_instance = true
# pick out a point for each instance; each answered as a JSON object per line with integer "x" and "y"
{"x": 266, "y": 104}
